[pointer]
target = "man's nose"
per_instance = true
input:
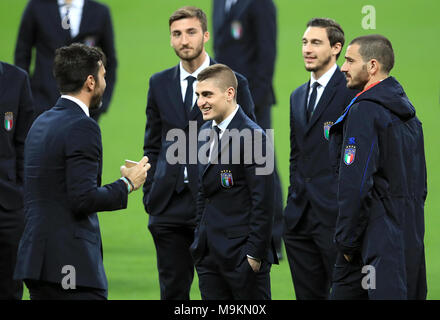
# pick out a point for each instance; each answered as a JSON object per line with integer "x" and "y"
{"x": 200, "y": 101}
{"x": 344, "y": 67}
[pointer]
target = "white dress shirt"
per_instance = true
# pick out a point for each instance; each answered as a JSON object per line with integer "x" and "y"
{"x": 78, "y": 102}
{"x": 323, "y": 81}
{"x": 184, "y": 84}
{"x": 75, "y": 14}
{"x": 184, "y": 74}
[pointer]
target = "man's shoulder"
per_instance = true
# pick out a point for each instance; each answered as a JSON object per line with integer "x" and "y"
{"x": 365, "y": 110}
{"x": 68, "y": 118}
{"x": 164, "y": 75}
{"x": 12, "y": 71}
{"x": 299, "y": 90}
{"x": 94, "y": 5}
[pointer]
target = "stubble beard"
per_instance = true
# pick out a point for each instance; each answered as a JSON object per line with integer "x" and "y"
{"x": 320, "y": 66}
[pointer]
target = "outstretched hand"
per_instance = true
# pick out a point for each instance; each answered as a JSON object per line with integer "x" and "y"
{"x": 138, "y": 173}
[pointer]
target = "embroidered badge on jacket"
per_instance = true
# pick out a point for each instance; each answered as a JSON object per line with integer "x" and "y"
{"x": 349, "y": 154}
{"x": 327, "y": 126}
{"x": 9, "y": 121}
{"x": 236, "y": 30}
{"x": 226, "y": 179}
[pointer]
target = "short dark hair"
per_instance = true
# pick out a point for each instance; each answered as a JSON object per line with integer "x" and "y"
{"x": 335, "y": 33}
{"x": 222, "y": 73}
{"x": 190, "y": 12}
{"x": 376, "y": 46}
{"x": 73, "y": 64}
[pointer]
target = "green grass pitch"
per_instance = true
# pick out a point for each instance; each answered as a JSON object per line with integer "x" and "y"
{"x": 143, "y": 48}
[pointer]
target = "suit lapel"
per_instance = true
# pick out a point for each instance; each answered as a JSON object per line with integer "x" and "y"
{"x": 299, "y": 107}
{"x": 326, "y": 98}
{"x": 219, "y": 8}
{"x": 195, "y": 112}
{"x": 175, "y": 95}
{"x": 86, "y": 16}
{"x": 2, "y": 86}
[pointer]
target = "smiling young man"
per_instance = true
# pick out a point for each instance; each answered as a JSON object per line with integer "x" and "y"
{"x": 233, "y": 246}
{"x": 377, "y": 147}
{"x": 311, "y": 210}
{"x": 169, "y": 196}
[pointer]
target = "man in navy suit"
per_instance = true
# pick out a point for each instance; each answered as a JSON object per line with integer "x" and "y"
{"x": 311, "y": 211}
{"x": 245, "y": 39}
{"x": 169, "y": 196}
{"x": 16, "y": 112}
{"x": 233, "y": 246}
{"x": 377, "y": 149}
{"x": 50, "y": 24}
{"x": 60, "y": 252}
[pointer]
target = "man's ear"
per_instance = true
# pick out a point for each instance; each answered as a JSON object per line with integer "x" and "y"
{"x": 336, "y": 48}
{"x": 373, "y": 66}
{"x": 230, "y": 94}
{"x": 90, "y": 83}
{"x": 206, "y": 37}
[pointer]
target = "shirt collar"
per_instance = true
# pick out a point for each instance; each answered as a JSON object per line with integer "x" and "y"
{"x": 78, "y": 102}
{"x": 74, "y": 4}
{"x": 184, "y": 74}
{"x": 225, "y": 123}
{"x": 325, "y": 78}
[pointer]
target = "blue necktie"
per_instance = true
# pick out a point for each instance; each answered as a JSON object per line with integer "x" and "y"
{"x": 216, "y": 148}
{"x": 312, "y": 101}
{"x": 189, "y": 93}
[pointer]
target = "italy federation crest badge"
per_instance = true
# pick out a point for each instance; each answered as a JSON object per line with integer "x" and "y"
{"x": 327, "y": 126}
{"x": 236, "y": 30}
{"x": 90, "y": 41}
{"x": 349, "y": 154}
{"x": 226, "y": 179}
{"x": 9, "y": 121}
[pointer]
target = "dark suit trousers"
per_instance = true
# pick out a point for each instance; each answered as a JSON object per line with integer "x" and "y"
{"x": 172, "y": 241}
{"x": 264, "y": 120}
{"x": 11, "y": 229}
{"x": 347, "y": 279}
{"x": 312, "y": 255}
{"x": 242, "y": 283}
{"x": 43, "y": 290}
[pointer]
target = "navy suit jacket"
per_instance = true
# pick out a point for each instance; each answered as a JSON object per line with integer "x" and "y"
{"x": 245, "y": 40}
{"x": 312, "y": 178}
{"x": 16, "y": 113}
{"x": 62, "y": 172}
{"x": 165, "y": 111}
{"x": 41, "y": 29}
{"x": 235, "y": 220}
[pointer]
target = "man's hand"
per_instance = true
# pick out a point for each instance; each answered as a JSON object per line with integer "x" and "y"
{"x": 255, "y": 264}
{"x": 137, "y": 174}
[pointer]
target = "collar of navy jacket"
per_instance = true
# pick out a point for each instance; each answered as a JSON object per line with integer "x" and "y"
{"x": 63, "y": 103}
{"x": 326, "y": 98}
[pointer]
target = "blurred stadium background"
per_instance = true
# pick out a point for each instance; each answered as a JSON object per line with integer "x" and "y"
{"x": 143, "y": 48}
